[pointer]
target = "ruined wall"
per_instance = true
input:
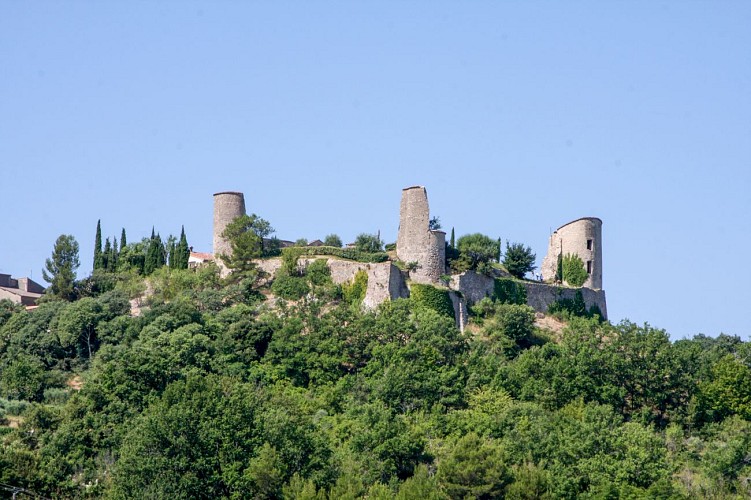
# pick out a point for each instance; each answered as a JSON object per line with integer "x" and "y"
{"x": 227, "y": 206}
{"x": 582, "y": 237}
{"x": 385, "y": 280}
{"x": 474, "y": 287}
{"x": 415, "y": 242}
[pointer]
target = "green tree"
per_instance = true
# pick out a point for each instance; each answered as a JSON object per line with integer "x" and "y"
{"x": 332, "y": 240}
{"x": 434, "y": 223}
{"x": 368, "y": 243}
{"x": 475, "y": 252}
{"x": 155, "y": 254}
{"x": 60, "y": 269}
{"x": 123, "y": 241}
{"x": 728, "y": 391}
{"x": 519, "y": 260}
{"x": 106, "y": 256}
{"x": 183, "y": 251}
{"x": 452, "y": 241}
{"x": 98, "y": 246}
{"x": 77, "y": 325}
{"x": 574, "y": 272}
{"x": 473, "y": 468}
{"x": 23, "y": 378}
{"x": 245, "y": 234}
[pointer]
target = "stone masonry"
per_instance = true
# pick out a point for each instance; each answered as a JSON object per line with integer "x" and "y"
{"x": 582, "y": 237}
{"x": 415, "y": 241}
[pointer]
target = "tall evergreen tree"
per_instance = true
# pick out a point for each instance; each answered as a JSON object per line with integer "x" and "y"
{"x": 172, "y": 253}
{"x": 60, "y": 269}
{"x": 453, "y": 242}
{"x": 122, "y": 240}
{"x": 183, "y": 251}
{"x": 155, "y": 254}
{"x": 105, "y": 256}
{"x": 114, "y": 256}
{"x": 98, "y": 246}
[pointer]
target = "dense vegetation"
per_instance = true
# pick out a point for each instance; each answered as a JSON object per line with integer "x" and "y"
{"x": 213, "y": 391}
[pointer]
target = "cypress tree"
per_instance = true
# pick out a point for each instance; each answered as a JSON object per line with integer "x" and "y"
{"x": 122, "y": 240}
{"x": 453, "y": 242}
{"x": 172, "y": 252}
{"x": 183, "y": 251}
{"x": 105, "y": 256}
{"x": 114, "y": 256}
{"x": 98, "y": 246}
{"x": 153, "y": 252}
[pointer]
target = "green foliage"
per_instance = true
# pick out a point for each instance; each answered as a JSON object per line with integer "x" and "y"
{"x": 509, "y": 291}
{"x": 368, "y": 243}
{"x": 344, "y": 253}
{"x": 564, "y": 307}
{"x": 246, "y": 236}
{"x": 519, "y": 260}
{"x": 332, "y": 240}
{"x": 211, "y": 393}
{"x": 474, "y": 250}
{"x": 23, "y": 378}
{"x": 473, "y": 468}
{"x": 574, "y": 272}
{"x": 434, "y": 223}
{"x": 98, "y": 246}
{"x": 354, "y": 292}
{"x": 289, "y": 287}
{"x": 60, "y": 269}
{"x": 436, "y": 299}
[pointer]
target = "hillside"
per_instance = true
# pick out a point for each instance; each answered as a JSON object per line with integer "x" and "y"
{"x": 224, "y": 388}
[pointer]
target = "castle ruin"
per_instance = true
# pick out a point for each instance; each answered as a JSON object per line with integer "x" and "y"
{"x": 582, "y": 237}
{"x": 423, "y": 251}
{"x": 228, "y": 205}
{"x": 416, "y": 242}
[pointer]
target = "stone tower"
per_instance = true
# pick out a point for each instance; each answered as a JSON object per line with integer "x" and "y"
{"x": 582, "y": 237}
{"x": 415, "y": 242}
{"x": 227, "y": 206}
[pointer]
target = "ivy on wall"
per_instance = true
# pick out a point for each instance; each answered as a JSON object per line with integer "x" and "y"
{"x": 433, "y": 298}
{"x": 509, "y": 291}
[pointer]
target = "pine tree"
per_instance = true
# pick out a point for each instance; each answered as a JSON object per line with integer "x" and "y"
{"x": 98, "y": 246}
{"x": 122, "y": 240}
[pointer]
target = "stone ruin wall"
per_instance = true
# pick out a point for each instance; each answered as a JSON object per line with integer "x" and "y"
{"x": 475, "y": 287}
{"x": 572, "y": 238}
{"x": 228, "y": 205}
{"x": 415, "y": 242}
{"x": 385, "y": 280}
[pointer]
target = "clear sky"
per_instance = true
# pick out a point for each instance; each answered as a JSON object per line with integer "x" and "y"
{"x": 517, "y": 117}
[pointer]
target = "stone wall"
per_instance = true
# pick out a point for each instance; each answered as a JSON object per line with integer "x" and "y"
{"x": 582, "y": 237}
{"x": 474, "y": 287}
{"x": 541, "y": 295}
{"x": 385, "y": 280}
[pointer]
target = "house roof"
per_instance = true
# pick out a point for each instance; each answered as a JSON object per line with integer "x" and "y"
{"x": 202, "y": 256}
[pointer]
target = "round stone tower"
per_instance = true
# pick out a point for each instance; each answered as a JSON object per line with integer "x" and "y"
{"x": 582, "y": 237}
{"x": 228, "y": 205}
{"x": 415, "y": 242}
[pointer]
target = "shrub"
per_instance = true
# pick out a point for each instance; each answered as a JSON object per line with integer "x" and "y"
{"x": 318, "y": 272}
{"x": 13, "y": 407}
{"x": 509, "y": 291}
{"x": 573, "y": 270}
{"x": 433, "y": 298}
{"x": 344, "y": 253}
{"x": 290, "y": 287}
{"x": 354, "y": 292}
{"x": 56, "y": 395}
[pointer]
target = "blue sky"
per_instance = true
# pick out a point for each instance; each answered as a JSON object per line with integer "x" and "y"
{"x": 517, "y": 117}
